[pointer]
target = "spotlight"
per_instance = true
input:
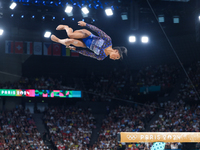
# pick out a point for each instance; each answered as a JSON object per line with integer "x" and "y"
{"x": 53, "y": 18}
{"x": 176, "y": 19}
{"x": 83, "y": 20}
{"x": 63, "y": 19}
{"x": 47, "y": 34}
{"x": 161, "y": 18}
{"x": 145, "y": 39}
{"x": 85, "y": 10}
{"x": 199, "y": 17}
{"x": 13, "y": 5}
{"x": 1, "y": 31}
{"x": 124, "y": 16}
{"x": 73, "y": 19}
{"x": 12, "y": 15}
{"x": 33, "y": 17}
{"x": 109, "y": 12}
{"x": 22, "y": 16}
{"x": 132, "y": 39}
{"x": 43, "y": 18}
{"x": 68, "y": 9}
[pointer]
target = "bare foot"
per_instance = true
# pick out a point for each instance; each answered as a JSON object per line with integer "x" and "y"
{"x": 54, "y": 38}
{"x": 62, "y": 27}
{"x": 65, "y": 42}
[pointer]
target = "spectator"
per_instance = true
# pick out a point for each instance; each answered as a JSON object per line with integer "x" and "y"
{"x": 124, "y": 119}
{"x": 18, "y": 130}
{"x": 70, "y": 128}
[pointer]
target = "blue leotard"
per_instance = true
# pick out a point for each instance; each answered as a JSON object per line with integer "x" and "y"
{"x": 97, "y": 44}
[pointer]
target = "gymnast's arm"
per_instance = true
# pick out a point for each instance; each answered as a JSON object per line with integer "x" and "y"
{"x": 90, "y": 54}
{"x": 87, "y": 53}
{"x": 102, "y": 34}
{"x": 99, "y": 32}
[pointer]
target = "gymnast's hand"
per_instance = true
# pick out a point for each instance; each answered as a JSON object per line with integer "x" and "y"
{"x": 82, "y": 23}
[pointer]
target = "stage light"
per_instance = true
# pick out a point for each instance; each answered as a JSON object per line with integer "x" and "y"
{"x": 176, "y": 19}
{"x": 93, "y": 20}
{"x": 63, "y": 19}
{"x": 43, "y": 18}
{"x": 1, "y": 31}
{"x": 124, "y": 16}
{"x": 68, "y": 9}
{"x": 13, "y": 5}
{"x": 161, "y": 18}
{"x": 12, "y": 15}
{"x": 83, "y": 20}
{"x": 33, "y": 17}
{"x": 132, "y": 39}
{"x": 47, "y": 34}
{"x": 73, "y": 19}
{"x": 199, "y": 17}
{"x": 54, "y": 18}
{"x": 109, "y": 12}
{"x": 22, "y": 16}
{"x": 85, "y": 10}
{"x": 145, "y": 39}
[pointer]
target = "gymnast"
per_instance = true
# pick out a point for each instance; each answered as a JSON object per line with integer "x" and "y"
{"x": 101, "y": 46}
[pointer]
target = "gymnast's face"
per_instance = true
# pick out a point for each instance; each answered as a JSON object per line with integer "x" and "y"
{"x": 114, "y": 55}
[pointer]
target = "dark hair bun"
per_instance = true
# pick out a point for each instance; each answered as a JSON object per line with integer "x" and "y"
{"x": 124, "y": 50}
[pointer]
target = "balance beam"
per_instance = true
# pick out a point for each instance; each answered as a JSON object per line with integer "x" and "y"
{"x": 134, "y": 137}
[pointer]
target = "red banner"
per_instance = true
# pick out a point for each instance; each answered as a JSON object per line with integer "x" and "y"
{"x": 18, "y": 47}
{"x": 56, "y": 49}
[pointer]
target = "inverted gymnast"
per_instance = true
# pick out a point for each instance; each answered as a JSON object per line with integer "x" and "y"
{"x": 101, "y": 46}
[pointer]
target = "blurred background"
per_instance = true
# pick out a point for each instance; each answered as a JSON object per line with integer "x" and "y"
{"x": 51, "y": 98}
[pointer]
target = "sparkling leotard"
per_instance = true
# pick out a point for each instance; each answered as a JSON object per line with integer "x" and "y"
{"x": 99, "y": 43}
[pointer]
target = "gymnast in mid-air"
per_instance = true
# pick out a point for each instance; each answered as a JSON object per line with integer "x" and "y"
{"x": 100, "y": 46}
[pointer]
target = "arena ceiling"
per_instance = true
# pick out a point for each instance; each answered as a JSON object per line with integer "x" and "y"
{"x": 140, "y": 17}
{"x": 141, "y": 21}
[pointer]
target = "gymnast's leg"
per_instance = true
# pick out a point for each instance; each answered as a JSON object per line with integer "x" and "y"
{"x": 78, "y": 34}
{"x": 68, "y": 42}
